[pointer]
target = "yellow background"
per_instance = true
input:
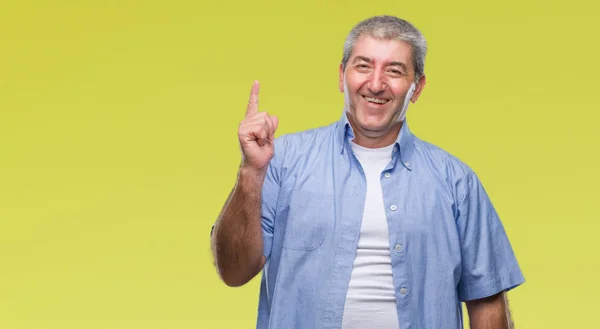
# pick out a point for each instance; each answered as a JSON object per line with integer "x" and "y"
{"x": 118, "y": 144}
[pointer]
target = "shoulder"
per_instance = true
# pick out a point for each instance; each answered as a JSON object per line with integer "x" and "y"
{"x": 445, "y": 165}
{"x": 308, "y": 135}
{"x": 440, "y": 158}
{"x": 305, "y": 141}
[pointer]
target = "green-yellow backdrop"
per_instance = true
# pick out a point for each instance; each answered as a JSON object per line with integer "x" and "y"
{"x": 118, "y": 144}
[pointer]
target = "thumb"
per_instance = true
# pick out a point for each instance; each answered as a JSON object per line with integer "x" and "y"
{"x": 275, "y": 121}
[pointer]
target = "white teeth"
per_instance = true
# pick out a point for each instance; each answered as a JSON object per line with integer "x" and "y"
{"x": 376, "y": 100}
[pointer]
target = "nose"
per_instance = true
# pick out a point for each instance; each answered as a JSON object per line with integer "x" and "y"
{"x": 376, "y": 84}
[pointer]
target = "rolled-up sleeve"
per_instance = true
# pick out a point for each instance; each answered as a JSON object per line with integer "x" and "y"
{"x": 270, "y": 195}
{"x": 489, "y": 265}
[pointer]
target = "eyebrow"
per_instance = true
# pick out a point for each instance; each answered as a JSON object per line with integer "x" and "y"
{"x": 368, "y": 60}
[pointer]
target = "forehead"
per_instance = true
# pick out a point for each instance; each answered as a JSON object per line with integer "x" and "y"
{"x": 382, "y": 50}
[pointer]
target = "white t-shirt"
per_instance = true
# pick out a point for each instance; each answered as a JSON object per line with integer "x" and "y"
{"x": 370, "y": 301}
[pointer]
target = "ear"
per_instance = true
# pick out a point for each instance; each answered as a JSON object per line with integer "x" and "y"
{"x": 341, "y": 82}
{"x": 419, "y": 88}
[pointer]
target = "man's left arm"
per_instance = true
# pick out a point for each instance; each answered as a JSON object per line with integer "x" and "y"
{"x": 489, "y": 267}
{"x": 490, "y": 312}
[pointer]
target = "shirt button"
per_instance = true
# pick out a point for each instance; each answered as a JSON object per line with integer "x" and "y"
{"x": 403, "y": 291}
{"x": 398, "y": 247}
{"x": 407, "y": 164}
{"x": 387, "y": 175}
{"x": 393, "y": 207}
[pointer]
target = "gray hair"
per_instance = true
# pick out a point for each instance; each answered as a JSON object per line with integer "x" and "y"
{"x": 389, "y": 28}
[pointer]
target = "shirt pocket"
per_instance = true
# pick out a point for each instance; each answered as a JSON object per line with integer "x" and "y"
{"x": 308, "y": 219}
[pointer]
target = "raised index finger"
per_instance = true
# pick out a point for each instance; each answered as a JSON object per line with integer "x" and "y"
{"x": 253, "y": 102}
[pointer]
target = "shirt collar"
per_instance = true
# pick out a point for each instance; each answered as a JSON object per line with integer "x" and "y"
{"x": 404, "y": 143}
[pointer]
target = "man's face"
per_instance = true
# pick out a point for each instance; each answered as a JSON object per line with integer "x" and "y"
{"x": 375, "y": 82}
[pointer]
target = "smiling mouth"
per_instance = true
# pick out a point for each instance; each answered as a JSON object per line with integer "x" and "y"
{"x": 373, "y": 100}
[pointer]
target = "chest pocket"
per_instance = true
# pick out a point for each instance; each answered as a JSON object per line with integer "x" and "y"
{"x": 309, "y": 217}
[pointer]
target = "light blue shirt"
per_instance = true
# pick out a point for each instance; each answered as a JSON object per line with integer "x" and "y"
{"x": 447, "y": 243}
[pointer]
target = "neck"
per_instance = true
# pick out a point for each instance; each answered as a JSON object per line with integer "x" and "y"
{"x": 374, "y": 139}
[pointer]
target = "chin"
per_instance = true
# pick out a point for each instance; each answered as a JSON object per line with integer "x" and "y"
{"x": 372, "y": 127}
{"x": 373, "y": 123}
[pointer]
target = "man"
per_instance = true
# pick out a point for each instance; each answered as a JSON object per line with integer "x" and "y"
{"x": 360, "y": 224}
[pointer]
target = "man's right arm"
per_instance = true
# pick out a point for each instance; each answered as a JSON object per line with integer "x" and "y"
{"x": 236, "y": 240}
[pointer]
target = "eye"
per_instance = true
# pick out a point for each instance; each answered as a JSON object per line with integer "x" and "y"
{"x": 396, "y": 72}
{"x": 362, "y": 68}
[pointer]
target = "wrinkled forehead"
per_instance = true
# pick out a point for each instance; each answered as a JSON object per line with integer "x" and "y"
{"x": 381, "y": 50}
